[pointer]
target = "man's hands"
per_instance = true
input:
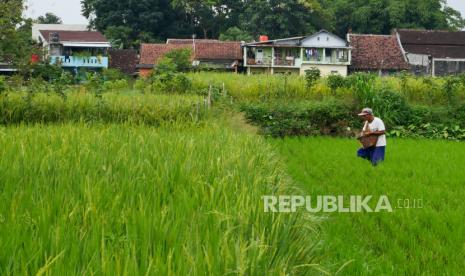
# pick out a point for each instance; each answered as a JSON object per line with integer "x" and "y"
{"x": 376, "y": 133}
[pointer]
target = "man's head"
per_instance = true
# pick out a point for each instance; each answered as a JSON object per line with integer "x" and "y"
{"x": 367, "y": 114}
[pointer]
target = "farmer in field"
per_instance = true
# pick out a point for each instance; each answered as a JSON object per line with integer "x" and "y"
{"x": 372, "y": 138}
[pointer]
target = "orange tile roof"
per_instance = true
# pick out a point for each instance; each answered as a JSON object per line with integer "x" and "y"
{"x": 212, "y": 50}
{"x": 374, "y": 52}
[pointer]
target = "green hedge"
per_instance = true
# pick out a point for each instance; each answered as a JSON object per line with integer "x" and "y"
{"x": 331, "y": 117}
{"x": 339, "y": 118}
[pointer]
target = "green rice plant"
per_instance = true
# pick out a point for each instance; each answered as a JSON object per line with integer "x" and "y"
{"x": 133, "y": 200}
{"x": 254, "y": 87}
{"x": 137, "y": 108}
{"x": 409, "y": 241}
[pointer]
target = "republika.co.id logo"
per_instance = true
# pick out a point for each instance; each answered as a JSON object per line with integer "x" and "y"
{"x": 331, "y": 203}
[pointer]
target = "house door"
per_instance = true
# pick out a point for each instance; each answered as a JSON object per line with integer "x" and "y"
{"x": 259, "y": 55}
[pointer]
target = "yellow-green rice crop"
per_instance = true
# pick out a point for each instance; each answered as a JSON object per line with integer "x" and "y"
{"x": 132, "y": 200}
{"x": 149, "y": 109}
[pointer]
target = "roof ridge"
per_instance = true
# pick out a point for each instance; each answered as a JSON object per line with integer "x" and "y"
{"x": 371, "y": 35}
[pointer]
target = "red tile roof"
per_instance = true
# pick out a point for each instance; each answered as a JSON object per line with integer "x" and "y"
{"x": 189, "y": 41}
{"x": 438, "y": 44}
{"x": 375, "y": 52}
{"x": 218, "y": 50}
{"x": 75, "y": 36}
{"x": 151, "y": 53}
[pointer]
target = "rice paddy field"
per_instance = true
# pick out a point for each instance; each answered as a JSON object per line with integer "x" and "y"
{"x": 159, "y": 184}
{"x": 409, "y": 241}
{"x": 120, "y": 199}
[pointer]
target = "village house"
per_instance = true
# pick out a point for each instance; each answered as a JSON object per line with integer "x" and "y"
{"x": 381, "y": 54}
{"x": 72, "y": 46}
{"x": 322, "y": 50}
{"x": 206, "y": 54}
{"x": 435, "y": 53}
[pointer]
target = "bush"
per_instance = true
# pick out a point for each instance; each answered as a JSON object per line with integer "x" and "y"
{"x": 46, "y": 72}
{"x": 177, "y": 60}
{"x": 113, "y": 74}
{"x": 312, "y": 75}
{"x": 330, "y": 117}
{"x": 114, "y": 85}
{"x": 335, "y": 81}
{"x": 391, "y": 107}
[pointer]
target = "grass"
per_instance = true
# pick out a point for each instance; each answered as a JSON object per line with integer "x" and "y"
{"x": 137, "y": 108}
{"x": 132, "y": 199}
{"x": 415, "y": 241}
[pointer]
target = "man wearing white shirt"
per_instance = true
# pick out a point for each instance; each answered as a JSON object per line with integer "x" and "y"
{"x": 375, "y": 126}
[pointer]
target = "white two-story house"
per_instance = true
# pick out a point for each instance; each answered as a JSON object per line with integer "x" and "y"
{"x": 323, "y": 50}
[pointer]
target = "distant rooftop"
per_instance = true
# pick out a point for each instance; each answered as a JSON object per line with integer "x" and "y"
{"x": 435, "y": 43}
{"x": 75, "y": 36}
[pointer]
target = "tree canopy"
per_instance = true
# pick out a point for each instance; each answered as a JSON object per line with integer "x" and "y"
{"x": 49, "y": 18}
{"x": 15, "y": 33}
{"x": 155, "y": 20}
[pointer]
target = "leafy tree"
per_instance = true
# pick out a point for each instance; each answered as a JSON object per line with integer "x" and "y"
{"x": 144, "y": 20}
{"x": 15, "y": 33}
{"x": 177, "y": 60}
{"x": 284, "y": 18}
{"x": 128, "y": 23}
{"x": 49, "y": 18}
{"x": 235, "y": 34}
{"x": 381, "y": 16}
{"x": 119, "y": 36}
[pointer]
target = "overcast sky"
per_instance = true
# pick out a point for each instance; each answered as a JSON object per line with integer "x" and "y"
{"x": 70, "y": 10}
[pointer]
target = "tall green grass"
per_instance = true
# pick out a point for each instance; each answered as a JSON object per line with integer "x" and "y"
{"x": 416, "y": 90}
{"x": 152, "y": 109}
{"x": 422, "y": 241}
{"x": 132, "y": 200}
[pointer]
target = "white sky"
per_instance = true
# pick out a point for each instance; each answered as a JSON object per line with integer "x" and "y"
{"x": 70, "y": 10}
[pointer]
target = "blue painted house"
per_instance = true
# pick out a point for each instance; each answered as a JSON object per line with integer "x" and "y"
{"x": 75, "y": 49}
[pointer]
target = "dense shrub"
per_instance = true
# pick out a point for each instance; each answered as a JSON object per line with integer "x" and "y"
{"x": 170, "y": 83}
{"x": 312, "y": 75}
{"x": 112, "y": 74}
{"x": 335, "y": 81}
{"x": 330, "y": 117}
{"x": 46, "y": 71}
{"x": 177, "y": 60}
{"x": 115, "y": 85}
{"x": 390, "y": 106}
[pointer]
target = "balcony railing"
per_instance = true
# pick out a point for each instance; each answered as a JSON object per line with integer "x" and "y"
{"x": 259, "y": 61}
{"x": 288, "y": 61}
{"x": 326, "y": 61}
{"x": 74, "y": 61}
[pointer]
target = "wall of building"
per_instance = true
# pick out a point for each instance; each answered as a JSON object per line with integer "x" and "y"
{"x": 144, "y": 72}
{"x": 326, "y": 69}
{"x": 444, "y": 67}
